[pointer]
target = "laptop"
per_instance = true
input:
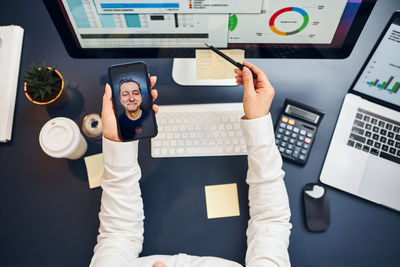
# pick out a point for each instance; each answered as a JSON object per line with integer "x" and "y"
{"x": 364, "y": 154}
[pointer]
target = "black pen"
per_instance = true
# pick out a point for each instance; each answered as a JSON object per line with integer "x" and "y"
{"x": 237, "y": 64}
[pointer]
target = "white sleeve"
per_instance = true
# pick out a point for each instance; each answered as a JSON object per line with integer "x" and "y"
{"x": 121, "y": 213}
{"x": 269, "y": 227}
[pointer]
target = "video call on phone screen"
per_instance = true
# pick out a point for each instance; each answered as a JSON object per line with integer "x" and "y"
{"x": 132, "y": 102}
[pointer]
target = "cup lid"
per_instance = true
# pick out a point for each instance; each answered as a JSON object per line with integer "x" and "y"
{"x": 59, "y": 137}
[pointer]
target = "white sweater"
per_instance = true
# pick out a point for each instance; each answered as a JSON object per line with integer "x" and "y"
{"x": 121, "y": 214}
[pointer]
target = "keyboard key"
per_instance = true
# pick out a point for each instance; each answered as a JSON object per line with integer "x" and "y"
{"x": 375, "y": 129}
{"x": 357, "y": 130}
{"x": 366, "y": 118}
{"x": 368, "y": 126}
{"x": 370, "y": 142}
{"x": 398, "y": 153}
{"x": 350, "y": 143}
{"x": 377, "y": 145}
{"x": 390, "y": 142}
{"x": 382, "y": 139}
{"x": 390, "y": 135}
{"x": 357, "y": 138}
{"x": 389, "y": 157}
{"x": 358, "y": 146}
{"x": 375, "y": 137}
{"x": 365, "y": 148}
{"x": 374, "y": 121}
{"x": 385, "y": 148}
{"x": 373, "y": 151}
{"x": 381, "y": 124}
{"x": 359, "y": 116}
{"x": 383, "y": 132}
{"x": 392, "y": 151}
{"x": 396, "y": 129}
{"x": 397, "y": 144}
{"x": 368, "y": 134}
{"x": 397, "y": 137}
{"x": 359, "y": 123}
{"x": 389, "y": 126}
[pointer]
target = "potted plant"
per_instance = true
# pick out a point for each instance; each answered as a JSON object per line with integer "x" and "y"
{"x": 44, "y": 86}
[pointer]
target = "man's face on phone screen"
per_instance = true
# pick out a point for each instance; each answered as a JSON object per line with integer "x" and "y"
{"x": 130, "y": 96}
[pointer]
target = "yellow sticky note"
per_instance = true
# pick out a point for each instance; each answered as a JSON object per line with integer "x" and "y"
{"x": 222, "y": 201}
{"x": 210, "y": 65}
{"x": 94, "y": 168}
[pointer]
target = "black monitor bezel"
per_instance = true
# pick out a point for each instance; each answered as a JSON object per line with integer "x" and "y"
{"x": 395, "y": 16}
{"x": 55, "y": 9}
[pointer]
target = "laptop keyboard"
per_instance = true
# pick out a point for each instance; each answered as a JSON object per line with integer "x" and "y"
{"x": 376, "y": 135}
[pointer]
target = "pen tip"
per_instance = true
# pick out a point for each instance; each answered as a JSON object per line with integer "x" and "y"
{"x": 207, "y": 44}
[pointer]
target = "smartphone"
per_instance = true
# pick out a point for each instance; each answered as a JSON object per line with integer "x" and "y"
{"x": 132, "y": 101}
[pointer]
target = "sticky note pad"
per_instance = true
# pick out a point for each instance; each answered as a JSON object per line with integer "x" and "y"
{"x": 222, "y": 201}
{"x": 94, "y": 168}
{"x": 210, "y": 65}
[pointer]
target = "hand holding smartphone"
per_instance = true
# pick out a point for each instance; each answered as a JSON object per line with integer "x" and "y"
{"x": 132, "y": 101}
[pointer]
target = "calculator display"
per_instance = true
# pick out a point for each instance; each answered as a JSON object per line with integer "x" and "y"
{"x": 301, "y": 113}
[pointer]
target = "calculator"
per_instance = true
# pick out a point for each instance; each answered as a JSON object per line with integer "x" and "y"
{"x": 295, "y": 130}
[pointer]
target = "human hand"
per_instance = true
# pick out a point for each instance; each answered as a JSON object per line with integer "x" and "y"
{"x": 110, "y": 130}
{"x": 258, "y": 94}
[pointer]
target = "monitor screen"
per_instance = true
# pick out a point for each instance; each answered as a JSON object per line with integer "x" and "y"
{"x": 380, "y": 77}
{"x": 165, "y": 28}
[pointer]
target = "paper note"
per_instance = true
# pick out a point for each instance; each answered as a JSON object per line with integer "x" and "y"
{"x": 94, "y": 168}
{"x": 209, "y": 65}
{"x": 222, "y": 201}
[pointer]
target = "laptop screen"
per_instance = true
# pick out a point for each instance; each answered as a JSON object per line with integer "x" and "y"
{"x": 381, "y": 75}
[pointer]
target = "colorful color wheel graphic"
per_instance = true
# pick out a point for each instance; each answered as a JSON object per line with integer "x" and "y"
{"x": 284, "y": 10}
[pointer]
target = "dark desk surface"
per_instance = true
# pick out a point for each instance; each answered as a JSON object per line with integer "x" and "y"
{"x": 49, "y": 214}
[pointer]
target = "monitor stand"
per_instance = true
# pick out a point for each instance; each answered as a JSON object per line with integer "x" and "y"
{"x": 184, "y": 73}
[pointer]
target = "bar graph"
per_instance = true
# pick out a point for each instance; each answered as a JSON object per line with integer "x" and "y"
{"x": 385, "y": 85}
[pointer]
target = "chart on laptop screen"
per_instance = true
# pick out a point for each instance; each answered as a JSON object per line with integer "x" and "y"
{"x": 381, "y": 76}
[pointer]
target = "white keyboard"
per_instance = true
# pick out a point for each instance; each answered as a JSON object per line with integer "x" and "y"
{"x": 198, "y": 131}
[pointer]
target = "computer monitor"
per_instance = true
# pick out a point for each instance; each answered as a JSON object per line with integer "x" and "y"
{"x": 175, "y": 28}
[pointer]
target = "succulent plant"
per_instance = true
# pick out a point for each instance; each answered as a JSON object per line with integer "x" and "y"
{"x": 42, "y": 82}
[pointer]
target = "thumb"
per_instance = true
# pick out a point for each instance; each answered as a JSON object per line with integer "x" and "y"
{"x": 248, "y": 81}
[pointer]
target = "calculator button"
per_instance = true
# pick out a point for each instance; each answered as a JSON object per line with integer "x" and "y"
{"x": 286, "y": 139}
{"x": 306, "y": 146}
{"x": 301, "y": 138}
{"x": 304, "y": 151}
{"x": 292, "y": 141}
{"x": 289, "y": 146}
{"x": 297, "y": 149}
{"x": 294, "y": 135}
{"x": 287, "y": 132}
{"x": 289, "y": 127}
{"x": 296, "y": 130}
{"x": 307, "y": 140}
{"x": 280, "y": 130}
{"x": 303, "y": 132}
{"x": 298, "y": 143}
{"x": 281, "y": 149}
{"x": 309, "y": 134}
{"x": 278, "y": 136}
{"x": 277, "y": 142}
{"x": 283, "y": 144}
{"x": 302, "y": 157}
{"x": 288, "y": 151}
{"x": 295, "y": 154}
{"x": 282, "y": 125}
{"x": 291, "y": 122}
{"x": 284, "y": 119}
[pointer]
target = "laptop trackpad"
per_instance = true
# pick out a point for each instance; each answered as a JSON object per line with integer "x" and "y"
{"x": 381, "y": 182}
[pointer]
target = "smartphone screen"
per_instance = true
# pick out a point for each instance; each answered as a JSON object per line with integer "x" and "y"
{"x": 132, "y": 101}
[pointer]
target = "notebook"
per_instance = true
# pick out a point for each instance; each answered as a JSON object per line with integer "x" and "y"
{"x": 364, "y": 154}
{"x": 10, "y": 55}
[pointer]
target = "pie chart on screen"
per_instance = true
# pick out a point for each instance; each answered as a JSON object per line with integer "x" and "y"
{"x": 290, "y": 15}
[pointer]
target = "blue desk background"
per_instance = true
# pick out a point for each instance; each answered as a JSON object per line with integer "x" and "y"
{"x": 49, "y": 214}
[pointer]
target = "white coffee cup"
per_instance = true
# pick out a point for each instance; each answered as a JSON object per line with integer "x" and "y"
{"x": 60, "y": 138}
